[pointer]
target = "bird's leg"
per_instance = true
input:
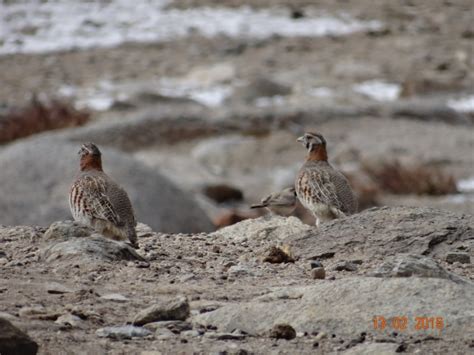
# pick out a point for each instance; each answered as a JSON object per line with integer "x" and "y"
{"x": 317, "y": 222}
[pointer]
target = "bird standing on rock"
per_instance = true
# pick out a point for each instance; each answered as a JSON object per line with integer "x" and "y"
{"x": 323, "y": 190}
{"x": 97, "y": 201}
{"x": 282, "y": 203}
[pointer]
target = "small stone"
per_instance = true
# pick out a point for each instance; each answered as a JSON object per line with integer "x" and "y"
{"x": 321, "y": 335}
{"x": 318, "y": 273}
{"x": 345, "y": 266}
{"x": 187, "y": 277}
{"x": 315, "y": 264}
{"x": 462, "y": 258}
{"x": 116, "y": 297}
{"x": 283, "y": 331}
{"x": 14, "y": 341}
{"x": 191, "y": 333}
{"x": 240, "y": 270}
{"x": 277, "y": 255}
{"x": 176, "y": 326}
{"x": 175, "y": 309}
{"x": 164, "y": 334}
{"x": 57, "y": 289}
{"x": 142, "y": 265}
{"x": 32, "y": 312}
{"x": 70, "y": 320}
{"x": 225, "y": 336}
{"x": 64, "y": 230}
{"x": 122, "y": 332}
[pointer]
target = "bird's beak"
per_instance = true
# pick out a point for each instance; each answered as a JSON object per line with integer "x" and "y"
{"x": 300, "y": 139}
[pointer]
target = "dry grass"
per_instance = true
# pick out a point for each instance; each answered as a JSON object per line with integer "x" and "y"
{"x": 38, "y": 117}
{"x": 393, "y": 177}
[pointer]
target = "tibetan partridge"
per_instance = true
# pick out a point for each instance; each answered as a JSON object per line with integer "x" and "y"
{"x": 282, "y": 203}
{"x": 323, "y": 190}
{"x": 97, "y": 201}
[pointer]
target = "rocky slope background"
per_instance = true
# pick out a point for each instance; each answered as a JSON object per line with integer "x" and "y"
{"x": 266, "y": 285}
{"x": 196, "y": 106}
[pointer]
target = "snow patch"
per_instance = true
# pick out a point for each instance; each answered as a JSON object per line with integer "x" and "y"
{"x": 378, "y": 90}
{"x": 36, "y": 26}
{"x": 466, "y": 185}
{"x": 464, "y": 104}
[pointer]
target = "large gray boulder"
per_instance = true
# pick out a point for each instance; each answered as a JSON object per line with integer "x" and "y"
{"x": 347, "y": 307}
{"x": 386, "y": 231}
{"x": 13, "y": 341}
{"x": 36, "y": 174}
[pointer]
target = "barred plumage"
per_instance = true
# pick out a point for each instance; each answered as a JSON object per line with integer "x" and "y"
{"x": 97, "y": 201}
{"x": 320, "y": 188}
{"x": 282, "y": 203}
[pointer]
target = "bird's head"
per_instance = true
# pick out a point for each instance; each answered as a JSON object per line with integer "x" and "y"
{"x": 315, "y": 144}
{"x": 91, "y": 157}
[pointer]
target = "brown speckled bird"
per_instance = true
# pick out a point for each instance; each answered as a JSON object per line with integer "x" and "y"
{"x": 97, "y": 201}
{"x": 282, "y": 203}
{"x": 322, "y": 189}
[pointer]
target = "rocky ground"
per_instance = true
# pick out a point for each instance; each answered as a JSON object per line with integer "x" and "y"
{"x": 229, "y": 108}
{"x": 198, "y": 127}
{"x": 267, "y": 285}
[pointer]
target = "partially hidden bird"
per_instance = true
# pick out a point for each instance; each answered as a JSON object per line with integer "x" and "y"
{"x": 281, "y": 203}
{"x": 323, "y": 190}
{"x": 99, "y": 202}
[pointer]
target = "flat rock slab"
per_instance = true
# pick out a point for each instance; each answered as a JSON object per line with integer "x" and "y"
{"x": 175, "y": 309}
{"x": 122, "y": 332}
{"x": 264, "y": 228}
{"x": 347, "y": 307}
{"x": 84, "y": 250}
{"x": 384, "y": 231}
{"x": 406, "y": 265}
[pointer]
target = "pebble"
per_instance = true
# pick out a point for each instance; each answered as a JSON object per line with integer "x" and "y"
{"x": 122, "y": 332}
{"x": 57, "y": 289}
{"x": 315, "y": 264}
{"x": 283, "y": 331}
{"x": 174, "y": 309}
{"x": 345, "y": 266}
{"x": 191, "y": 333}
{"x": 462, "y": 258}
{"x": 318, "y": 273}
{"x": 225, "y": 336}
{"x": 116, "y": 297}
{"x": 70, "y": 320}
{"x": 164, "y": 334}
{"x": 176, "y": 326}
{"x": 321, "y": 335}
